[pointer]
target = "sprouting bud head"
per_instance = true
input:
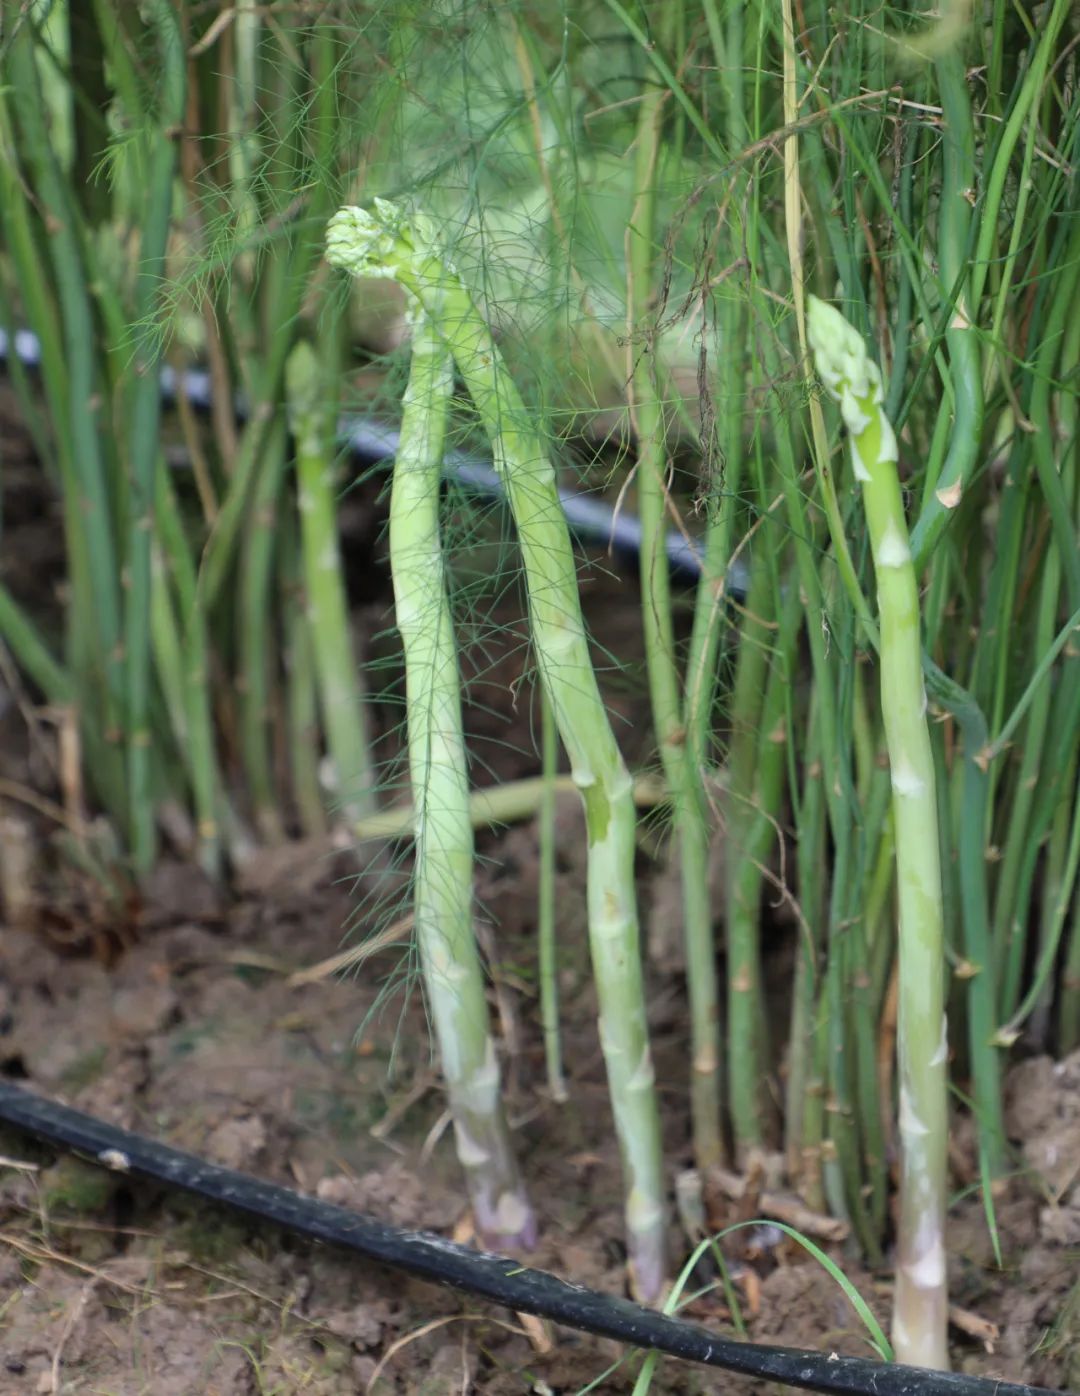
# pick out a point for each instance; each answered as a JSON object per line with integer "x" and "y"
{"x": 361, "y": 243}
{"x": 302, "y": 389}
{"x": 385, "y": 241}
{"x": 850, "y": 375}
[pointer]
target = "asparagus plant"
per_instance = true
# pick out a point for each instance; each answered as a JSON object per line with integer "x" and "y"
{"x": 921, "y": 1306}
{"x": 340, "y": 691}
{"x": 443, "y": 880}
{"x": 684, "y": 776}
{"x": 388, "y": 242}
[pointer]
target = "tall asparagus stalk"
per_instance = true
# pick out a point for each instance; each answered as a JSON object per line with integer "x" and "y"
{"x": 921, "y": 1309}
{"x": 390, "y": 243}
{"x": 684, "y": 777}
{"x": 443, "y": 883}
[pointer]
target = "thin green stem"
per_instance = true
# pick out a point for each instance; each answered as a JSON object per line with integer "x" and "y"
{"x": 689, "y": 807}
{"x": 752, "y": 751}
{"x": 31, "y": 653}
{"x": 667, "y": 73}
{"x": 302, "y": 697}
{"x": 975, "y": 911}
{"x": 1052, "y": 940}
{"x": 546, "y": 929}
{"x": 144, "y": 409}
{"x": 443, "y": 876}
{"x": 1041, "y": 672}
{"x": 198, "y": 731}
{"x": 803, "y": 1165}
{"x": 962, "y": 334}
{"x": 256, "y": 655}
{"x": 341, "y": 692}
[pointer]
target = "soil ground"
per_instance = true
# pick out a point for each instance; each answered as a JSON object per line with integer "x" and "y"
{"x": 179, "y": 1015}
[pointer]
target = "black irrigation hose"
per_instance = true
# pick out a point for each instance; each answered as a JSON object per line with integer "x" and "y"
{"x": 372, "y": 442}
{"x": 490, "y": 1277}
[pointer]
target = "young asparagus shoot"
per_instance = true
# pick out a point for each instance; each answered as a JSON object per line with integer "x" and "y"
{"x": 389, "y": 242}
{"x": 921, "y": 1307}
{"x": 445, "y": 855}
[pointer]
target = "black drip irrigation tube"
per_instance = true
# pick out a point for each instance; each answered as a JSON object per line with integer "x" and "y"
{"x": 372, "y": 442}
{"x": 494, "y": 1278}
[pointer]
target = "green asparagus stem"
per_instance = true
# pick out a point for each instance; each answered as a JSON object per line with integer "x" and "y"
{"x": 197, "y": 732}
{"x": 546, "y": 928}
{"x": 750, "y": 740}
{"x": 502, "y": 804}
{"x": 944, "y": 487}
{"x": 341, "y": 696}
{"x": 302, "y": 698}
{"x": 921, "y": 1308}
{"x": 143, "y": 446}
{"x": 801, "y": 1103}
{"x": 982, "y": 985}
{"x": 256, "y": 641}
{"x": 689, "y": 805}
{"x": 443, "y": 880}
{"x": 389, "y": 243}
